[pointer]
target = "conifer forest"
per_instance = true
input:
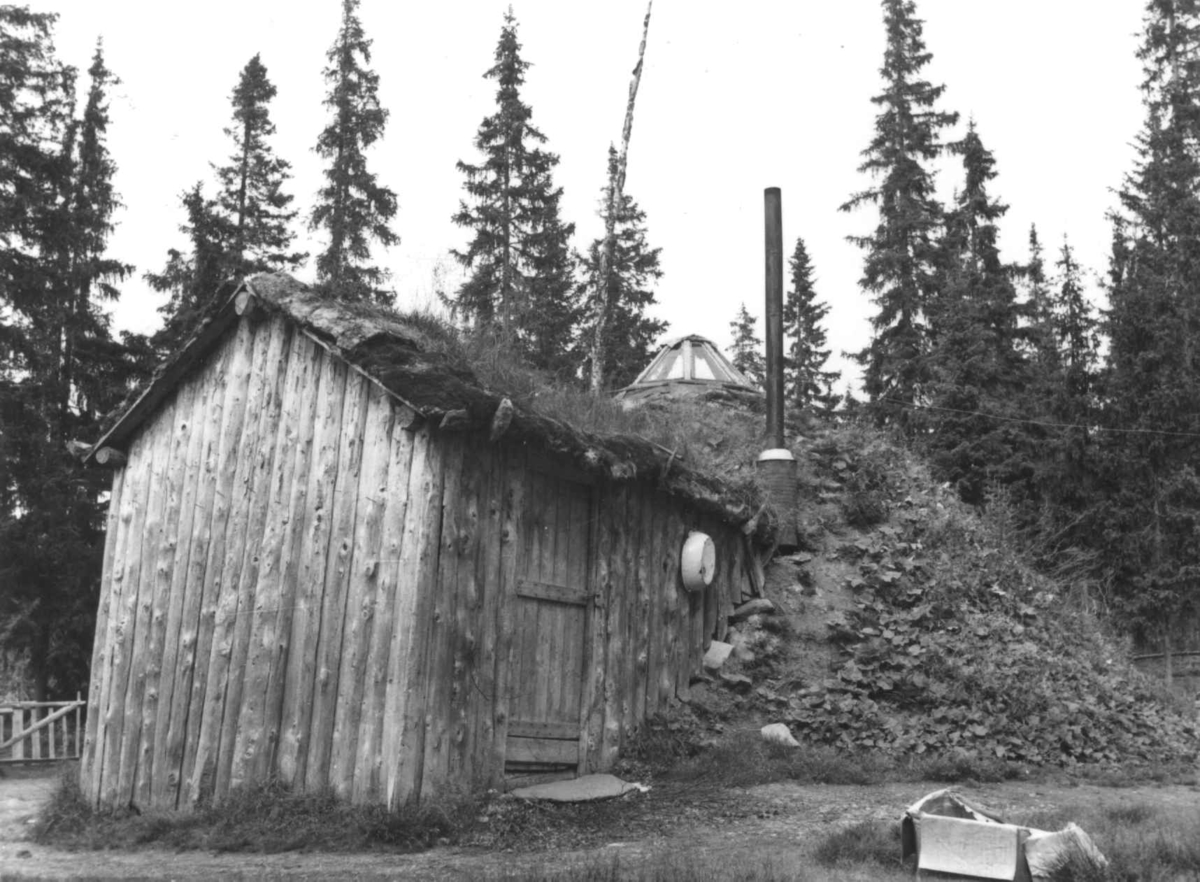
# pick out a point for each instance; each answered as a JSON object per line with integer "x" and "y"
{"x": 1067, "y": 394}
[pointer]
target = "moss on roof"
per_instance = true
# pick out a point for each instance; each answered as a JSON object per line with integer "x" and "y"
{"x": 417, "y": 362}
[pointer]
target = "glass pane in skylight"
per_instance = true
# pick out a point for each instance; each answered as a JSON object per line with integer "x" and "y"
{"x": 669, "y": 366}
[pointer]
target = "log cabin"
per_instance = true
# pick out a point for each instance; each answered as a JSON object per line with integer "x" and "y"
{"x": 333, "y": 558}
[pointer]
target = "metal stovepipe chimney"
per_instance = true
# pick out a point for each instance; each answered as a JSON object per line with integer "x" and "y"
{"x": 777, "y": 465}
{"x": 773, "y": 216}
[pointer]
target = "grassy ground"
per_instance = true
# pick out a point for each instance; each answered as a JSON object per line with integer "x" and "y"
{"x": 669, "y": 750}
{"x": 678, "y": 867}
{"x": 1140, "y": 842}
{"x": 690, "y": 791}
{"x": 265, "y": 819}
{"x": 700, "y": 780}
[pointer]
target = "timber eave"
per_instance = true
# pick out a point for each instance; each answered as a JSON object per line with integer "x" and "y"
{"x": 168, "y": 376}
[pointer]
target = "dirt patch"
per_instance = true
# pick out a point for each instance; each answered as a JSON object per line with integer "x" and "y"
{"x": 779, "y": 822}
{"x": 810, "y": 590}
{"x": 21, "y": 796}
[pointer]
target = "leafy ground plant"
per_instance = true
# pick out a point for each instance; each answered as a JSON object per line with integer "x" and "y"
{"x": 953, "y": 644}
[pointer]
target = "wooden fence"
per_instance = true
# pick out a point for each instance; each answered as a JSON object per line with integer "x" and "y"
{"x": 41, "y": 731}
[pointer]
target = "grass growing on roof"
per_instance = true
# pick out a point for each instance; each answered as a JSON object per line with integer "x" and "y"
{"x": 712, "y": 438}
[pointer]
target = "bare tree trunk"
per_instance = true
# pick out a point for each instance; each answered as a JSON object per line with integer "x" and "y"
{"x": 616, "y": 186}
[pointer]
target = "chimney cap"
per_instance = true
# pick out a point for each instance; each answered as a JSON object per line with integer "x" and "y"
{"x": 776, "y": 453}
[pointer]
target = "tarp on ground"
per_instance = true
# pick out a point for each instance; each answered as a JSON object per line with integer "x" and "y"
{"x": 1046, "y": 852}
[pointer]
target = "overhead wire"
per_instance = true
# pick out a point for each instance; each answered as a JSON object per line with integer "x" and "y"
{"x": 912, "y": 405}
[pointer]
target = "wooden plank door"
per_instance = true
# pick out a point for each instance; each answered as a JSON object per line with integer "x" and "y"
{"x": 552, "y": 601}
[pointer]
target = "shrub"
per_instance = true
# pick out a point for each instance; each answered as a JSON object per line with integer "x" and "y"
{"x": 867, "y": 842}
{"x": 662, "y": 742}
{"x": 865, "y": 508}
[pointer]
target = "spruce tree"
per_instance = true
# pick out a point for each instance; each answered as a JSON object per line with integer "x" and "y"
{"x": 552, "y": 310}
{"x": 60, "y": 369}
{"x": 353, "y": 208}
{"x": 244, "y": 229}
{"x": 194, "y": 281}
{"x": 746, "y": 349}
{"x": 1044, "y": 394}
{"x": 1043, "y": 348}
{"x": 1153, "y": 325}
{"x": 901, "y": 254}
{"x": 1069, "y": 385}
{"x": 36, "y": 106}
{"x": 978, "y": 373}
{"x": 807, "y": 385}
{"x": 93, "y": 372}
{"x": 251, "y": 194}
{"x": 517, "y": 256}
{"x": 634, "y": 271}
{"x": 1076, "y": 332}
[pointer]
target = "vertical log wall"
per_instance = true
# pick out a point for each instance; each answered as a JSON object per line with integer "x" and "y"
{"x": 300, "y": 582}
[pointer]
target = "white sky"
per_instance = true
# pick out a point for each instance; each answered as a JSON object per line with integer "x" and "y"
{"x": 774, "y": 94}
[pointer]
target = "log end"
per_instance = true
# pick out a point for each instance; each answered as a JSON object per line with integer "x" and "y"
{"x": 502, "y": 419}
{"x": 110, "y": 456}
{"x": 246, "y": 303}
{"x": 455, "y": 420}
